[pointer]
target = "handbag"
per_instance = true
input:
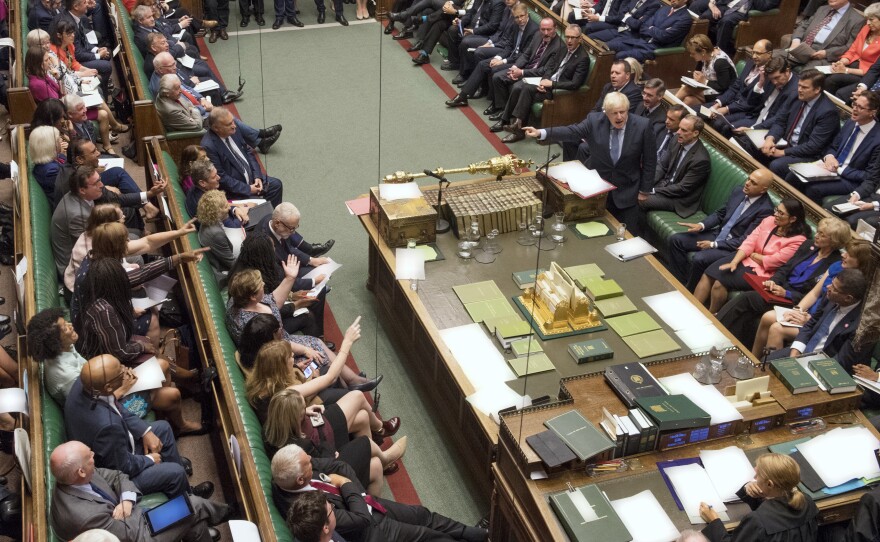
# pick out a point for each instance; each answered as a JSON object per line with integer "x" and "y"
{"x": 172, "y": 348}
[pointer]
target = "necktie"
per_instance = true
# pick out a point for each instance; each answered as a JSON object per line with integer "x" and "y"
{"x": 731, "y": 221}
{"x": 333, "y": 490}
{"x": 189, "y": 96}
{"x": 821, "y": 332}
{"x": 847, "y": 147}
{"x": 677, "y": 160}
{"x": 83, "y": 131}
{"x": 559, "y": 71}
{"x": 795, "y": 124}
{"x": 615, "y": 145}
{"x": 104, "y": 495}
{"x": 538, "y": 54}
{"x": 518, "y": 39}
{"x": 663, "y": 145}
{"x": 242, "y": 162}
{"x": 811, "y": 35}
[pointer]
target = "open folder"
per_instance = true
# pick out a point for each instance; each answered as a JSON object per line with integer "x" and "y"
{"x": 812, "y": 172}
{"x": 757, "y": 284}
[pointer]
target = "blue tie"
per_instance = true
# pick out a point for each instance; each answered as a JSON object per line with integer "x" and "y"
{"x": 876, "y": 86}
{"x": 106, "y": 496}
{"x": 615, "y": 145}
{"x": 847, "y": 147}
{"x": 725, "y": 230}
{"x": 518, "y": 38}
{"x": 821, "y": 331}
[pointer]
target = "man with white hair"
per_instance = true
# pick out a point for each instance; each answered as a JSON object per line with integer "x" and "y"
{"x": 199, "y": 73}
{"x": 622, "y": 150}
{"x": 87, "y": 498}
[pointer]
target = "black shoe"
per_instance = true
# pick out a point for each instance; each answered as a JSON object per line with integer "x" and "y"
{"x": 458, "y": 80}
{"x": 496, "y": 116}
{"x": 322, "y": 16}
{"x": 5, "y": 330}
{"x": 260, "y": 20}
{"x": 421, "y": 59}
{"x": 491, "y": 110}
{"x": 369, "y": 385}
{"x": 317, "y": 250}
{"x": 404, "y": 34}
{"x": 233, "y": 511}
{"x": 295, "y": 21}
{"x": 203, "y": 490}
{"x": 414, "y": 47}
{"x": 396, "y": 17}
{"x": 340, "y": 18}
{"x": 277, "y": 24}
{"x": 187, "y": 465}
{"x": 266, "y": 143}
{"x": 214, "y": 534}
{"x": 4, "y": 320}
{"x": 389, "y": 28}
{"x": 330, "y": 345}
{"x": 230, "y": 97}
{"x": 448, "y": 66}
{"x": 245, "y": 21}
{"x": 271, "y": 130}
{"x": 497, "y": 127}
{"x": 459, "y": 101}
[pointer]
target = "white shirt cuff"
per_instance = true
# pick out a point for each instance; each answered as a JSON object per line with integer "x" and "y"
{"x": 542, "y": 134}
{"x": 799, "y": 346}
{"x": 143, "y": 197}
{"x": 130, "y": 496}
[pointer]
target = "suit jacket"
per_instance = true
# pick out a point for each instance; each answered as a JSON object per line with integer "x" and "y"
{"x": 83, "y": 48}
{"x": 488, "y": 13}
{"x": 220, "y": 255}
{"x": 140, "y": 37}
{"x": 871, "y": 76}
{"x": 745, "y": 224}
{"x": 741, "y": 97}
{"x": 872, "y": 178}
{"x": 505, "y": 24}
{"x": 615, "y": 12}
{"x": 665, "y": 30}
{"x": 634, "y": 171}
{"x": 40, "y": 16}
{"x": 817, "y": 131}
{"x": 780, "y": 106}
{"x": 686, "y": 188}
{"x": 806, "y": 251}
{"x": 230, "y": 169}
{"x": 106, "y": 432}
{"x": 179, "y": 115}
{"x": 574, "y": 72}
{"x": 657, "y": 117}
{"x": 86, "y": 130}
{"x": 549, "y": 60}
{"x": 288, "y": 247}
{"x": 840, "y": 37}
{"x": 508, "y": 41}
{"x": 631, "y": 90}
{"x": 638, "y": 12}
{"x": 838, "y": 344}
{"x": 857, "y": 169}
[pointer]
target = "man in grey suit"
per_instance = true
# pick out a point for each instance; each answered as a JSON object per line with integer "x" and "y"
{"x": 829, "y": 33}
{"x": 623, "y": 152}
{"x": 681, "y": 174}
{"x": 88, "y": 498}
{"x": 176, "y": 111}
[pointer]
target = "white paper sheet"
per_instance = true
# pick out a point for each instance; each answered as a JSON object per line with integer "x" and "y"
{"x": 92, "y": 37}
{"x": 841, "y": 455}
{"x": 236, "y": 238}
{"x": 584, "y": 182}
{"x": 326, "y": 269}
{"x": 149, "y": 376}
{"x": 757, "y": 136}
{"x": 691, "y": 82}
{"x": 729, "y": 469}
{"x": 693, "y": 486}
{"x": 159, "y": 287}
{"x": 235, "y": 450}
{"x": 476, "y": 354}
{"x": 630, "y": 249}
{"x": 187, "y": 61}
{"x": 706, "y": 397}
{"x": 144, "y": 303}
{"x": 534, "y": 81}
{"x": 23, "y": 452}
{"x": 409, "y": 264}
{"x": 780, "y": 316}
{"x": 395, "y": 191}
{"x": 110, "y": 163}
{"x": 676, "y": 310}
{"x": 497, "y": 396}
{"x": 254, "y": 201}
{"x": 117, "y": 49}
{"x": 13, "y": 400}
{"x": 843, "y": 208}
{"x": 703, "y": 338}
{"x": 644, "y": 518}
{"x": 243, "y": 531}
{"x": 812, "y": 171}
{"x": 206, "y": 86}
{"x": 92, "y": 100}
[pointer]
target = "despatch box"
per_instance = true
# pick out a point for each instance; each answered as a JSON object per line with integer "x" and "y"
{"x": 400, "y": 220}
{"x": 560, "y": 198}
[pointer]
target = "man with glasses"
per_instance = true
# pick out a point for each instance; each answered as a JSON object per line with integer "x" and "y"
{"x": 745, "y": 97}
{"x": 652, "y": 107}
{"x": 850, "y": 156}
{"x": 199, "y": 73}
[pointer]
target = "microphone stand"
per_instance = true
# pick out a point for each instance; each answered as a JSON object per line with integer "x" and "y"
{"x": 545, "y": 166}
{"x": 442, "y": 225}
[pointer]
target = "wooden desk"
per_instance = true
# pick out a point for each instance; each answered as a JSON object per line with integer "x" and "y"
{"x": 413, "y": 320}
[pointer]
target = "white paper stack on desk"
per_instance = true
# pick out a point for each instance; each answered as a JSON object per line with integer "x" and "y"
{"x": 842, "y": 454}
{"x": 644, "y": 518}
{"x": 693, "y": 327}
{"x": 630, "y": 249}
{"x": 707, "y": 397}
{"x": 584, "y": 182}
{"x": 693, "y": 486}
{"x": 729, "y": 469}
{"x": 810, "y": 172}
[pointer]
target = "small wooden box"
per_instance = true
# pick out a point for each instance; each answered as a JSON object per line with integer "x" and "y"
{"x": 400, "y": 220}
{"x": 560, "y": 198}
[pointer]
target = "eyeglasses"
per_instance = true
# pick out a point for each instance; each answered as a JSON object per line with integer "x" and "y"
{"x": 857, "y": 107}
{"x": 780, "y": 212}
{"x": 757, "y": 53}
{"x": 287, "y": 227}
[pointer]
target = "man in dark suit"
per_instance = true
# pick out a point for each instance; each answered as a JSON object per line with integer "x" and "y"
{"x": 623, "y": 152}
{"x": 359, "y": 517}
{"x": 88, "y": 498}
{"x": 146, "y": 453}
{"x": 850, "y": 154}
{"x": 870, "y": 81}
{"x": 631, "y": 20}
{"x": 652, "y": 107}
{"x": 240, "y": 174}
{"x": 164, "y": 63}
{"x": 866, "y": 196}
{"x": 143, "y": 23}
{"x": 740, "y": 100}
{"x": 481, "y": 20}
{"x": 85, "y": 42}
{"x": 42, "y": 12}
{"x": 829, "y": 33}
{"x": 570, "y": 75}
{"x": 477, "y": 25}
{"x": 620, "y": 81}
{"x": 776, "y": 98}
{"x": 602, "y": 15}
{"x": 681, "y": 174}
{"x": 723, "y": 16}
{"x": 720, "y": 233}
{"x": 666, "y": 137}
{"x": 833, "y": 326}
{"x": 667, "y": 28}
{"x": 809, "y": 126}
{"x": 312, "y": 518}
{"x": 463, "y": 55}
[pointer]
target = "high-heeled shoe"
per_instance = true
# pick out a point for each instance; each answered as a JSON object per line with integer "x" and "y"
{"x": 109, "y": 150}
{"x": 122, "y": 129}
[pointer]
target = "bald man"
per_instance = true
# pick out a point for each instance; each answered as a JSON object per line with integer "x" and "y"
{"x": 722, "y": 232}
{"x": 146, "y": 453}
{"x": 86, "y": 498}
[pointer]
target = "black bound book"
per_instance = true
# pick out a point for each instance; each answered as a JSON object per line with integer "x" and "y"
{"x": 631, "y": 381}
{"x": 553, "y": 452}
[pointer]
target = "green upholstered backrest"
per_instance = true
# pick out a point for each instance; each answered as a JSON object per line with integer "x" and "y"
{"x": 725, "y": 175}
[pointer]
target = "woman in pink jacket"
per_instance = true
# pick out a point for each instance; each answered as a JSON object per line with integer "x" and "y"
{"x": 769, "y": 246}
{"x": 41, "y": 80}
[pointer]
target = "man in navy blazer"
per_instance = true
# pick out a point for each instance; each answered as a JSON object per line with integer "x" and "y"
{"x": 720, "y": 233}
{"x": 630, "y": 20}
{"x": 604, "y": 12}
{"x": 850, "y": 154}
{"x": 808, "y": 126}
{"x": 741, "y": 100}
{"x": 833, "y": 326}
{"x": 86, "y": 52}
{"x": 241, "y": 177}
{"x": 463, "y": 55}
{"x": 620, "y": 81}
{"x": 723, "y": 17}
{"x": 623, "y": 152}
{"x": 870, "y": 81}
{"x": 42, "y": 12}
{"x": 667, "y": 28}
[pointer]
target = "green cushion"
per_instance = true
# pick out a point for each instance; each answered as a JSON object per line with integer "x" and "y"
{"x": 664, "y": 51}
{"x": 172, "y": 136}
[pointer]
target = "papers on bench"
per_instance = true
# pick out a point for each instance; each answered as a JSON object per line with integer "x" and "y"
{"x": 693, "y": 83}
{"x": 187, "y": 61}
{"x": 149, "y": 376}
{"x": 812, "y": 172}
{"x": 23, "y": 452}
{"x": 584, "y": 182}
{"x": 841, "y": 455}
{"x": 326, "y": 269}
{"x": 395, "y": 191}
{"x": 707, "y": 397}
{"x": 630, "y": 249}
{"x": 206, "y": 86}
{"x": 692, "y": 485}
{"x": 243, "y": 531}
{"x": 729, "y": 469}
{"x": 92, "y": 100}
{"x": 644, "y": 518}
{"x": 110, "y": 163}
{"x": 780, "y": 316}
{"x": 844, "y": 208}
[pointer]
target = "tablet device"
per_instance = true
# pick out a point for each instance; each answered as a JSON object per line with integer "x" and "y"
{"x": 257, "y": 214}
{"x": 169, "y": 514}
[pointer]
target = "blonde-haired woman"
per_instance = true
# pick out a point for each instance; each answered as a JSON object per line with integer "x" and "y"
{"x": 714, "y": 69}
{"x": 335, "y": 433}
{"x": 213, "y": 207}
{"x": 46, "y": 150}
{"x": 780, "y": 512}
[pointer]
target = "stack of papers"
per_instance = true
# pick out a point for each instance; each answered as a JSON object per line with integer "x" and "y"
{"x": 693, "y": 486}
{"x": 644, "y": 518}
{"x": 852, "y": 450}
{"x": 757, "y": 136}
{"x": 693, "y": 83}
{"x": 780, "y": 316}
{"x": 409, "y": 264}
{"x": 630, "y": 249}
{"x": 707, "y": 397}
{"x": 584, "y": 182}
{"x": 729, "y": 469}
{"x": 476, "y": 354}
{"x": 327, "y": 270}
{"x": 812, "y": 172}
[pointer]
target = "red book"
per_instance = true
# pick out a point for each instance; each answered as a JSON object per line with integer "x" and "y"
{"x": 757, "y": 284}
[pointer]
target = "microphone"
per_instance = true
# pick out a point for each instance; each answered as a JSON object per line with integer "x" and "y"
{"x": 430, "y": 173}
{"x": 547, "y": 163}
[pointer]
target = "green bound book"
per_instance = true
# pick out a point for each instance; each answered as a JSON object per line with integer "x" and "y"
{"x": 633, "y": 324}
{"x": 491, "y": 308}
{"x": 586, "y": 515}
{"x": 581, "y": 273}
{"x": 795, "y": 377}
{"x": 493, "y": 323}
{"x": 477, "y": 291}
{"x": 592, "y": 350}
{"x": 526, "y": 279}
{"x": 615, "y": 306}
{"x": 579, "y": 434}
{"x": 673, "y": 412}
{"x": 524, "y": 347}
{"x": 832, "y": 375}
{"x": 598, "y": 288}
{"x": 651, "y": 343}
{"x": 512, "y": 331}
{"x": 528, "y": 365}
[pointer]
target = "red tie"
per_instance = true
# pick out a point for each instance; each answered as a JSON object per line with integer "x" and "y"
{"x": 796, "y": 120}
{"x": 333, "y": 490}
{"x": 189, "y": 96}
{"x": 811, "y": 37}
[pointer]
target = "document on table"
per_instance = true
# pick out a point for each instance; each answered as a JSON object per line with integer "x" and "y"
{"x": 477, "y": 355}
{"x": 630, "y": 249}
{"x": 644, "y": 518}
{"x": 676, "y": 310}
{"x": 693, "y": 486}
{"x": 584, "y": 182}
{"x": 396, "y": 191}
{"x": 852, "y": 450}
{"x": 707, "y": 397}
{"x": 702, "y": 338}
{"x": 149, "y": 376}
{"x": 497, "y": 396}
{"x": 729, "y": 469}
{"x": 409, "y": 264}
